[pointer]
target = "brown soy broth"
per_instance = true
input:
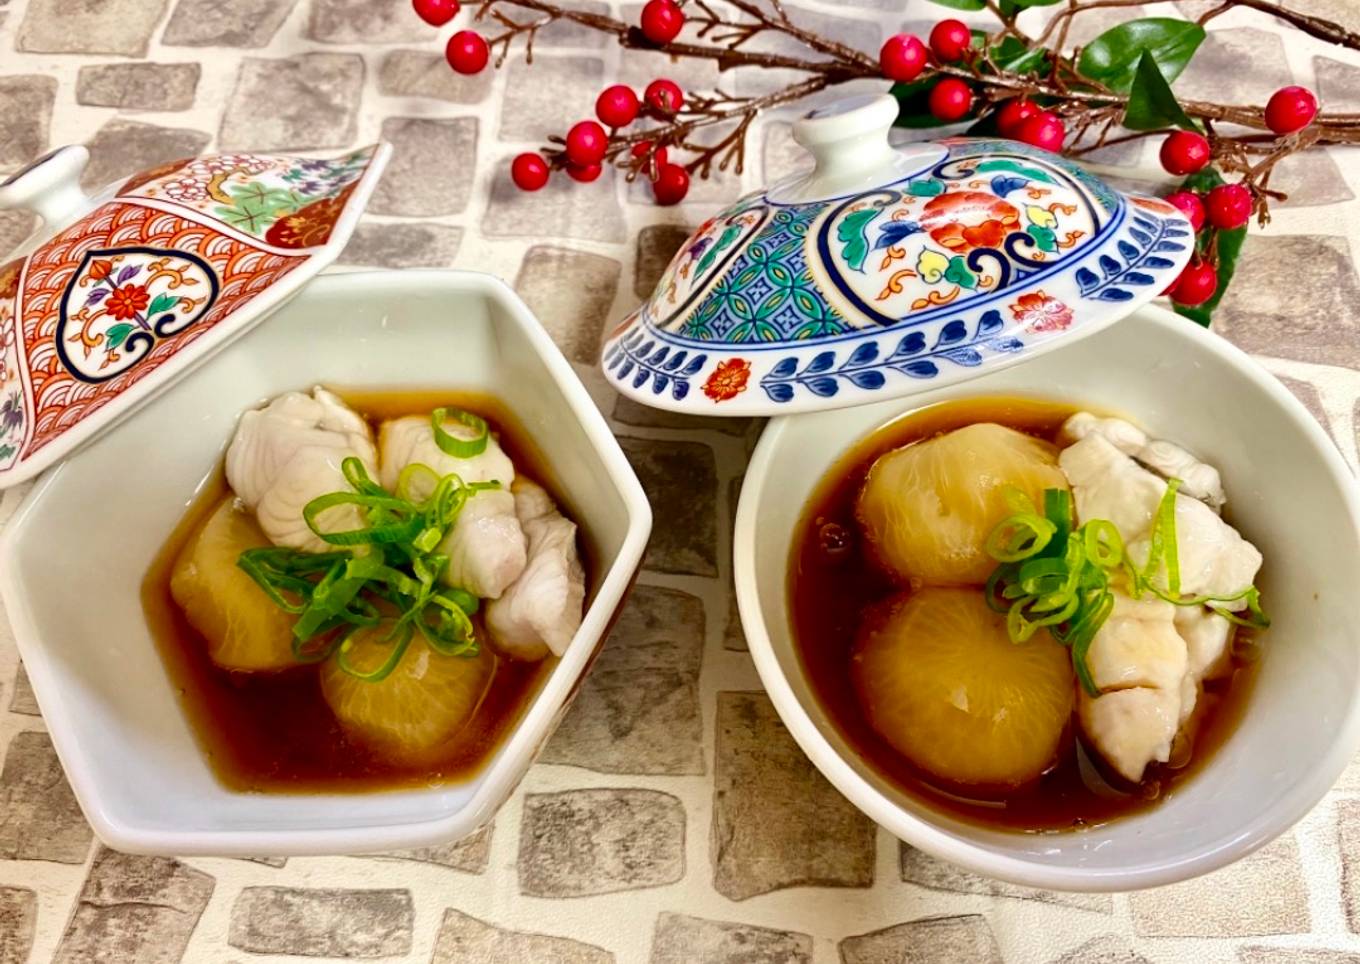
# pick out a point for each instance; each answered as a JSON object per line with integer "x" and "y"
{"x": 830, "y": 591}
{"x": 274, "y": 731}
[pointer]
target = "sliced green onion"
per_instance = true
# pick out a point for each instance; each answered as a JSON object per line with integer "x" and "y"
{"x": 383, "y": 671}
{"x": 1051, "y": 576}
{"x": 459, "y": 448}
{"x": 385, "y": 570}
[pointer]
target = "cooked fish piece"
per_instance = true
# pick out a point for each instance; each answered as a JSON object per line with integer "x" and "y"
{"x": 1125, "y": 436}
{"x": 1206, "y": 636}
{"x": 541, "y": 611}
{"x": 1138, "y": 662}
{"x": 1107, "y": 484}
{"x": 485, "y": 545}
{"x": 1214, "y": 559}
{"x": 1199, "y": 480}
{"x": 1131, "y": 728}
{"x": 1138, "y": 646}
{"x": 403, "y": 441}
{"x": 287, "y": 454}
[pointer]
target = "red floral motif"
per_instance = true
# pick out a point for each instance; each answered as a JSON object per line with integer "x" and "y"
{"x": 309, "y": 226}
{"x": 127, "y": 301}
{"x": 964, "y": 220}
{"x": 728, "y": 379}
{"x": 1038, "y": 312}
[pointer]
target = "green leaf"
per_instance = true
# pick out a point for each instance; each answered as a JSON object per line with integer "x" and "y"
{"x": 1152, "y": 105}
{"x": 1009, "y": 8}
{"x": 1202, "y": 182}
{"x": 1044, "y": 238}
{"x": 852, "y": 234}
{"x": 927, "y": 188}
{"x": 117, "y": 335}
{"x": 1012, "y": 55}
{"x": 161, "y": 303}
{"x": 1112, "y": 58}
{"x": 958, "y": 273}
{"x": 1229, "y": 247}
{"x": 961, "y": 4}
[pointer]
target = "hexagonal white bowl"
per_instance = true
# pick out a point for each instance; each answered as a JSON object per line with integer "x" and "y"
{"x": 73, "y": 558}
{"x": 1290, "y": 492}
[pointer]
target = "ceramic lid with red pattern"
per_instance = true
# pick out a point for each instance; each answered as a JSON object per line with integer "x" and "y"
{"x": 887, "y": 271}
{"x": 121, "y": 293}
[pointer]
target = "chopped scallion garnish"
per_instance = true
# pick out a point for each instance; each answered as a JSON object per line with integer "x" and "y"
{"x": 1056, "y": 577}
{"x": 459, "y": 448}
{"x": 384, "y": 571}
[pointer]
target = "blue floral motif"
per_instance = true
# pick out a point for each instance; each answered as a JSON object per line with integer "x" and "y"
{"x": 1152, "y": 237}
{"x": 867, "y": 368}
{"x": 663, "y": 365}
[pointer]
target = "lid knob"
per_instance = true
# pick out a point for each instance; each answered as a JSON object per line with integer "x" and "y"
{"x": 849, "y": 141}
{"x": 50, "y": 186}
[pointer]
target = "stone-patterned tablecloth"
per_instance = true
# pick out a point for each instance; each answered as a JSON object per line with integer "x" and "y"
{"x": 672, "y": 819}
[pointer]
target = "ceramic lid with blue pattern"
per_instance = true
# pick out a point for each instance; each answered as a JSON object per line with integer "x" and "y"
{"x": 887, "y": 271}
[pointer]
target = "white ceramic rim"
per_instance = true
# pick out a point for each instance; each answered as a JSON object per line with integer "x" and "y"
{"x": 919, "y": 832}
{"x": 518, "y": 751}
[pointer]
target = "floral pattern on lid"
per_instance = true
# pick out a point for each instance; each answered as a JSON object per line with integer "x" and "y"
{"x": 947, "y": 261}
{"x": 139, "y": 283}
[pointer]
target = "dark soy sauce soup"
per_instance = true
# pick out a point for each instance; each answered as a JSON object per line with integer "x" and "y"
{"x": 833, "y": 580}
{"x": 274, "y": 731}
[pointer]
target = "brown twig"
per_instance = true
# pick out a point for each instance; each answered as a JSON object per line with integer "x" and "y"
{"x": 1092, "y": 111}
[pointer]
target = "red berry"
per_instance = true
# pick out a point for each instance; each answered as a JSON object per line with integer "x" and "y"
{"x": 661, "y": 21}
{"x": 1013, "y": 113}
{"x": 671, "y": 184}
{"x": 586, "y": 143}
{"x": 1189, "y": 204}
{"x": 467, "y": 52}
{"x": 584, "y": 173}
{"x": 1228, "y": 206}
{"x": 641, "y": 149}
{"x": 1290, "y": 109}
{"x": 664, "y": 96}
{"x": 529, "y": 171}
{"x": 951, "y": 99}
{"x": 949, "y": 40}
{"x": 1184, "y": 152}
{"x": 902, "y": 58}
{"x": 436, "y": 12}
{"x": 1196, "y": 285}
{"x": 617, "y": 106}
{"x": 1045, "y": 130}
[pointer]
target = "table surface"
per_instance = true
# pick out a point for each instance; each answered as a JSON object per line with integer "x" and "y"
{"x": 672, "y": 819}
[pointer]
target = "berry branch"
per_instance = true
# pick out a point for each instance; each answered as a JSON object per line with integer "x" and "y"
{"x": 1004, "y": 82}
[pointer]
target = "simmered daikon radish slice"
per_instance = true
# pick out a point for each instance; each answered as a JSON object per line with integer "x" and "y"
{"x": 243, "y": 628}
{"x": 927, "y": 509}
{"x": 418, "y": 708}
{"x": 940, "y": 680}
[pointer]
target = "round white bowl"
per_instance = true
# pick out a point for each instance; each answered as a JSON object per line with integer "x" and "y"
{"x": 1290, "y": 492}
{"x": 73, "y": 558}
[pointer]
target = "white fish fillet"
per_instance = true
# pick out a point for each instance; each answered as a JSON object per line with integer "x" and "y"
{"x": 542, "y": 610}
{"x": 1214, "y": 559}
{"x": 288, "y": 453}
{"x": 1150, "y": 658}
{"x": 486, "y": 545}
{"x": 1199, "y": 480}
{"x": 1206, "y": 636}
